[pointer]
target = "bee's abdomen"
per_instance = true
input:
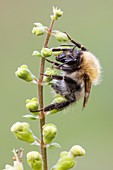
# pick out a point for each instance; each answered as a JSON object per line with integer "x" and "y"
{"x": 71, "y": 91}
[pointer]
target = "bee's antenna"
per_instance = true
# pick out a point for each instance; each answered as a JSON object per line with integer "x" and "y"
{"x": 77, "y": 44}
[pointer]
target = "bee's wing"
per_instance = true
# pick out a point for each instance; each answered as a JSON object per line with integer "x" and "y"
{"x": 87, "y": 89}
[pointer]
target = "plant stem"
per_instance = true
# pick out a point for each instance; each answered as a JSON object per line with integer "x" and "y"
{"x": 40, "y": 98}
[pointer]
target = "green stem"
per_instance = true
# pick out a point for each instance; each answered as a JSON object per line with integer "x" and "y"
{"x": 40, "y": 97}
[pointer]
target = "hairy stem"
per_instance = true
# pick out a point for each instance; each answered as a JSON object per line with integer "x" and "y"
{"x": 40, "y": 98}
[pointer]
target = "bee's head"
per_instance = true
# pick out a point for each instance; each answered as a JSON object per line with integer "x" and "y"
{"x": 72, "y": 57}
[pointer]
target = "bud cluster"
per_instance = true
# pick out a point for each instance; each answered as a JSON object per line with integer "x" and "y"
{"x": 60, "y": 36}
{"x": 39, "y": 29}
{"x": 32, "y": 105}
{"x": 23, "y": 132}
{"x": 24, "y": 73}
{"x": 46, "y": 52}
{"x": 34, "y": 160}
{"x": 67, "y": 159}
{"x": 49, "y": 133}
{"x": 50, "y": 72}
{"x": 56, "y": 13}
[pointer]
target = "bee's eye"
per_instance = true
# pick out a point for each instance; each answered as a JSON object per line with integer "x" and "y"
{"x": 61, "y": 57}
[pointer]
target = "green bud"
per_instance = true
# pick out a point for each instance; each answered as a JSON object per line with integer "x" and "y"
{"x": 23, "y": 132}
{"x": 32, "y": 105}
{"x": 65, "y": 162}
{"x": 49, "y": 133}
{"x": 39, "y": 30}
{"x": 59, "y": 99}
{"x": 77, "y": 150}
{"x": 36, "y": 53}
{"x": 60, "y": 36}
{"x": 24, "y": 73}
{"x": 49, "y": 71}
{"x": 56, "y": 13}
{"x": 34, "y": 160}
{"x": 46, "y": 52}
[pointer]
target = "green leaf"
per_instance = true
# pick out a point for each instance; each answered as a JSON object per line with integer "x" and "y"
{"x": 32, "y": 117}
{"x": 36, "y": 143}
{"x": 54, "y": 145}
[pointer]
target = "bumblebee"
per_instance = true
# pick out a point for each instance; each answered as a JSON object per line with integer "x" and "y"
{"x": 81, "y": 69}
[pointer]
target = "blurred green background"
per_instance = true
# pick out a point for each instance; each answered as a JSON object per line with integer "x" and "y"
{"x": 89, "y": 22}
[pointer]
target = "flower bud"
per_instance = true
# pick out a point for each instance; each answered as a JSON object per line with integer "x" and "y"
{"x": 59, "y": 99}
{"x": 23, "y": 132}
{"x": 49, "y": 71}
{"x": 24, "y": 73}
{"x": 36, "y": 53}
{"x": 32, "y": 105}
{"x": 49, "y": 133}
{"x": 65, "y": 162}
{"x": 39, "y": 30}
{"x": 56, "y": 13}
{"x": 34, "y": 160}
{"x": 77, "y": 150}
{"x": 60, "y": 36}
{"x": 46, "y": 52}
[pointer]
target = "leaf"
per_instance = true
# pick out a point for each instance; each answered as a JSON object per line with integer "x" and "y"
{"x": 35, "y": 143}
{"x": 54, "y": 145}
{"x": 32, "y": 117}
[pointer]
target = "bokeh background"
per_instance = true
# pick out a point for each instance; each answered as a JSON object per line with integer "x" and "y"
{"x": 89, "y": 22}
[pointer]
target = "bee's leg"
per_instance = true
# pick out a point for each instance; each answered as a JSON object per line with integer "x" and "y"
{"x": 62, "y": 67}
{"x": 59, "y": 66}
{"x": 68, "y": 45}
{"x": 69, "y": 98}
{"x": 62, "y": 49}
{"x": 57, "y": 106}
{"x": 54, "y": 63}
{"x": 65, "y": 78}
{"x": 77, "y": 44}
{"x": 63, "y": 45}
